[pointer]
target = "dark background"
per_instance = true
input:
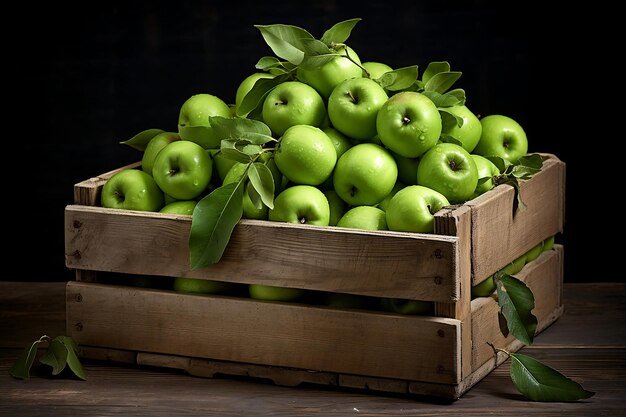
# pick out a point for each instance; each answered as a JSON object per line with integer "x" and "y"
{"x": 83, "y": 77}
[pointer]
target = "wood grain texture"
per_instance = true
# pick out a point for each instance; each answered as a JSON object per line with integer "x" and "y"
{"x": 587, "y": 344}
{"x": 543, "y": 277}
{"x": 376, "y": 263}
{"x": 498, "y": 236}
{"x": 249, "y": 331}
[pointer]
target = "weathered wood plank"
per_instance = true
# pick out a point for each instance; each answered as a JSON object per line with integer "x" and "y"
{"x": 499, "y": 237}
{"x": 266, "y": 333}
{"x": 543, "y": 277}
{"x": 388, "y": 264}
{"x": 458, "y": 222}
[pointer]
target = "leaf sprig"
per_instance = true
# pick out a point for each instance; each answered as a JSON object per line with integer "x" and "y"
{"x": 61, "y": 353}
{"x": 512, "y": 173}
{"x": 533, "y": 379}
{"x": 217, "y": 214}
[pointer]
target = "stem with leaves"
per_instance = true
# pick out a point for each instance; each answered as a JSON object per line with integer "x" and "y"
{"x": 534, "y": 380}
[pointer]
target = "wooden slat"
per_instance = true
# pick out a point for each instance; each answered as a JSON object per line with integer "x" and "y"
{"x": 376, "y": 263}
{"x": 458, "y": 222}
{"x": 498, "y": 237}
{"x": 544, "y": 278}
{"x": 265, "y": 333}
{"x": 209, "y": 368}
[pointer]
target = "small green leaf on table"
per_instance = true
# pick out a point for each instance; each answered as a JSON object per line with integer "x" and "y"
{"x": 21, "y": 367}
{"x": 56, "y": 356}
{"x": 539, "y": 382}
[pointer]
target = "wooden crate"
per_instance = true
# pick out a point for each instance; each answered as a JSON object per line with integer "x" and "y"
{"x": 290, "y": 343}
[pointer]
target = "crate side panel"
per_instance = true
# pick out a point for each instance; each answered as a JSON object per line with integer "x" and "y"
{"x": 389, "y": 264}
{"x": 499, "y": 237}
{"x": 544, "y": 278}
{"x": 265, "y": 333}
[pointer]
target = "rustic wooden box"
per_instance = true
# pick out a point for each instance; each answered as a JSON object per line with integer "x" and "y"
{"x": 442, "y": 355}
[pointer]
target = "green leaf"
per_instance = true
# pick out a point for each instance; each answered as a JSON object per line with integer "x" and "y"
{"x": 21, "y": 367}
{"x": 315, "y": 47}
{"x": 516, "y": 302}
{"x": 213, "y": 221}
{"x": 533, "y": 160}
{"x": 55, "y": 356}
{"x": 499, "y": 162}
{"x": 286, "y": 41}
{"x": 399, "y": 79}
{"x": 141, "y": 139}
{"x": 340, "y": 32}
{"x": 254, "y": 196}
{"x": 236, "y": 128}
{"x": 72, "y": 357}
{"x": 256, "y": 96}
{"x": 230, "y": 151}
{"x": 449, "y": 119}
{"x": 268, "y": 62}
{"x": 450, "y": 99}
{"x": 434, "y": 68}
{"x": 454, "y": 97}
{"x": 202, "y": 135}
{"x": 311, "y": 62}
{"x": 539, "y": 382}
{"x": 262, "y": 180}
{"x": 442, "y": 81}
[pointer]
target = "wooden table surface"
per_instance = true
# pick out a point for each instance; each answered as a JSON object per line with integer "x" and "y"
{"x": 587, "y": 344}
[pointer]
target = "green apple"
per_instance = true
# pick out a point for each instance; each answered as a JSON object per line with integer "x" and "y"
{"x": 267, "y": 292}
{"x": 548, "y": 244}
{"x": 516, "y": 266}
{"x": 195, "y": 111}
{"x": 449, "y": 169}
{"x": 203, "y": 286}
{"x": 365, "y": 174}
{"x": 337, "y": 206}
{"x": 468, "y": 133}
{"x": 365, "y": 218}
{"x": 305, "y": 155}
{"x": 502, "y": 136}
{"x": 179, "y": 207}
{"x": 412, "y": 209}
{"x": 221, "y": 164}
{"x": 342, "y": 300}
{"x": 183, "y": 169}
{"x": 385, "y": 203}
{"x": 325, "y": 78}
{"x": 402, "y": 306}
{"x": 409, "y": 124}
{"x": 154, "y": 147}
{"x": 375, "y": 69}
{"x": 293, "y": 103}
{"x": 353, "y": 106}
{"x": 486, "y": 169}
{"x": 340, "y": 141}
{"x": 407, "y": 169}
{"x": 302, "y": 204}
{"x": 132, "y": 189}
{"x": 246, "y": 85}
{"x": 534, "y": 253}
{"x": 485, "y": 288}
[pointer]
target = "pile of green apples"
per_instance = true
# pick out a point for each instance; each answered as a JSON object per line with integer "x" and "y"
{"x": 354, "y": 144}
